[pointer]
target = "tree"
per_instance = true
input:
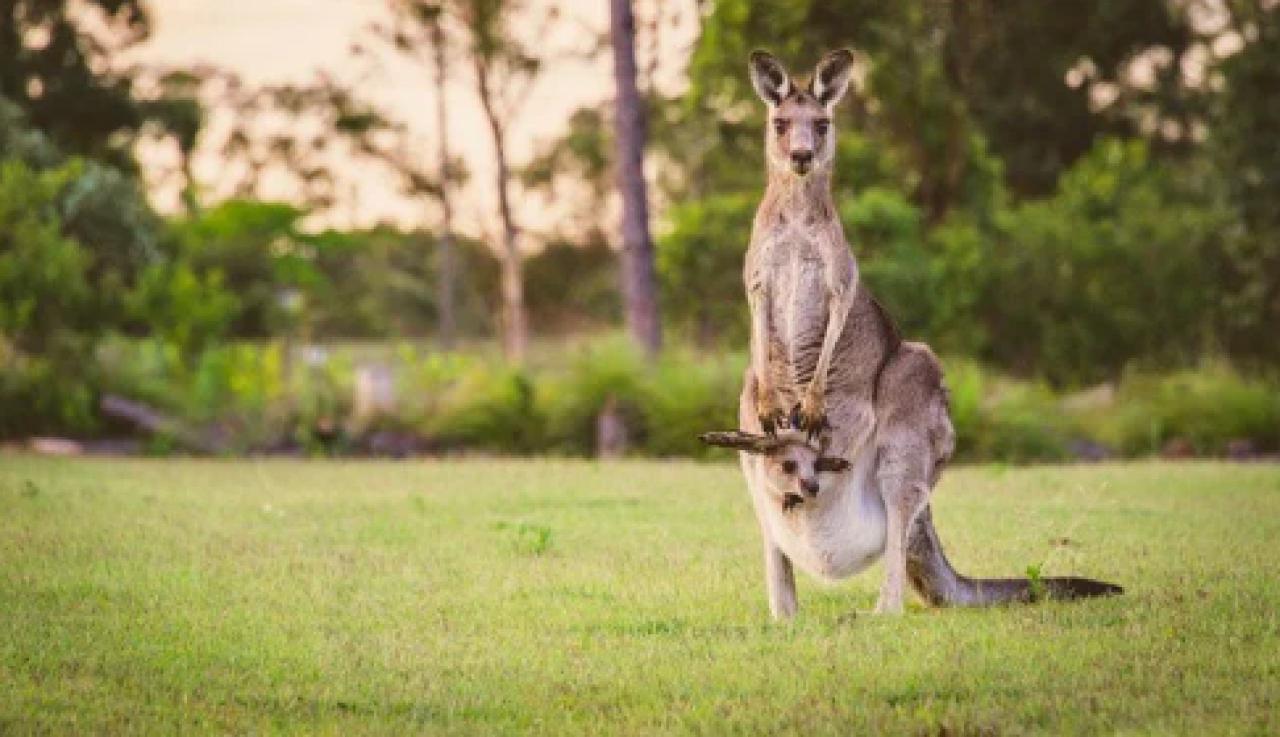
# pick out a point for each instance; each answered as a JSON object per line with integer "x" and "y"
{"x": 640, "y": 287}
{"x": 53, "y": 70}
{"x": 447, "y": 272}
{"x": 177, "y": 113}
{"x": 945, "y": 79}
{"x": 418, "y": 33}
{"x": 1246, "y": 147}
{"x": 504, "y": 69}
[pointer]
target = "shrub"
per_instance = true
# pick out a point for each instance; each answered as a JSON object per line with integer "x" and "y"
{"x": 490, "y": 408}
{"x": 686, "y": 395}
{"x": 999, "y": 419}
{"x": 1208, "y": 408}
{"x": 572, "y": 398}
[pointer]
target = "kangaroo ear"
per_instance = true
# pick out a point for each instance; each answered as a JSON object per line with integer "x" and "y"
{"x": 831, "y": 464}
{"x": 739, "y": 440}
{"x": 831, "y": 78}
{"x": 771, "y": 81}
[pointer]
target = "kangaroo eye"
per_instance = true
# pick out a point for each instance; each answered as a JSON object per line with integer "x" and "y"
{"x": 821, "y": 126}
{"x": 789, "y": 467}
{"x": 780, "y": 126}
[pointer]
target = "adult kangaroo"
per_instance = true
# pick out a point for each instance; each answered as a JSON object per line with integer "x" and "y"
{"x": 844, "y": 476}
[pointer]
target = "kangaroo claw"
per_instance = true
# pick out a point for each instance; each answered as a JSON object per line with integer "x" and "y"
{"x": 812, "y": 424}
{"x": 772, "y": 421}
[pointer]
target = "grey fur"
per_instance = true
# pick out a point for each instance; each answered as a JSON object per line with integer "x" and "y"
{"x": 844, "y": 476}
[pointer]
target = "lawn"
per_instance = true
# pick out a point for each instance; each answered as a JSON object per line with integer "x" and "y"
{"x": 564, "y": 597}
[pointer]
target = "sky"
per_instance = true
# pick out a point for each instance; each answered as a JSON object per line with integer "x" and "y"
{"x": 273, "y": 41}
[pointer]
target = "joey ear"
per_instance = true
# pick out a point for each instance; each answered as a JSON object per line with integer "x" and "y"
{"x": 739, "y": 440}
{"x": 770, "y": 79}
{"x": 831, "y": 78}
{"x": 831, "y": 464}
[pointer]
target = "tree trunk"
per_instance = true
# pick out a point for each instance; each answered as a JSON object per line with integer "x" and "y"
{"x": 446, "y": 267}
{"x": 190, "y": 198}
{"x": 639, "y": 281}
{"x": 515, "y": 327}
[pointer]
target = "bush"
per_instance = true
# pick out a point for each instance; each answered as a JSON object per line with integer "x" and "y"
{"x": 665, "y": 405}
{"x": 467, "y": 401}
{"x": 686, "y": 395}
{"x": 1111, "y": 271}
{"x": 1208, "y": 408}
{"x": 1000, "y": 419}
{"x": 572, "y": 398}
{"x": 492, "y": 408}
{"x": 700, "y": 267}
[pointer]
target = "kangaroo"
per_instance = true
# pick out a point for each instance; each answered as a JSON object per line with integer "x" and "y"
{"x": 845, "y": 477}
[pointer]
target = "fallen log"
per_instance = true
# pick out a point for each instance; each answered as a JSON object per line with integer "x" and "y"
{"x": 154, "y": 421}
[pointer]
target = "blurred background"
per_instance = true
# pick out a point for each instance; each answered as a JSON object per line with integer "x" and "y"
{"x": 397, "y": 227}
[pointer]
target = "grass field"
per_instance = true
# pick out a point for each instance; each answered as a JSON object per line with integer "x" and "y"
{"x": 565, "y": 597}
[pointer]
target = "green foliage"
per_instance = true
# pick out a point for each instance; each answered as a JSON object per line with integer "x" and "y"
{"x": 596, "y": 374}
{"x": 383, "y": 282}
{"x": 1111, "y": 271}
{"x": 1209, "y": 409}
{"x": 45, "y": 293}
{"x": 462, "y": 402}
{"x": 938, "y": 77}
{"x": 572, "y": 288}
{"x": 1247, "y": 152}
{"x": 45, "y": 394}
{"x": 699, "y": 261}
{"x": 665, "y": 405}
{"x": 526, "y": 538}
{"x": 491, "y": 408}
{"x": 182, "y": 307}
{"x": 55, "y": 302}
{"x": 887, "y": 229}
{"x": 64, "y": 84}
{"x": 999, "y": 419}
{"x": 687, "y": 394}
{"x": 256, "y": 250}
{"x": 1116, "y": 269}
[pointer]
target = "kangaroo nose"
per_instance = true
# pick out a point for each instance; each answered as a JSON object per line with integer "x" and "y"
{"x": 802, "y": 158}
{"x": 810, "y": 486}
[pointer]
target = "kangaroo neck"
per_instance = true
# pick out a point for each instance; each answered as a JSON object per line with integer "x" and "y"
{"x": 799, "y": 199}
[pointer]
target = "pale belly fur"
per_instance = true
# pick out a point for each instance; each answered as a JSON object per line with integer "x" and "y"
{"x": 837, "y": 534}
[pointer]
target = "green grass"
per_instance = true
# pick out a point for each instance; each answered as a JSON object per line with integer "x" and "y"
{"x": 564, "y": 597}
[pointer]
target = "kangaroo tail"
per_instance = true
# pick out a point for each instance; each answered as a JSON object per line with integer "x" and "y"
{"x": 932, "y": 575}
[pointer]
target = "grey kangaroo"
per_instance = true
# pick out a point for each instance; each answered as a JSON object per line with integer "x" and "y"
{"x": 844, "y": 475}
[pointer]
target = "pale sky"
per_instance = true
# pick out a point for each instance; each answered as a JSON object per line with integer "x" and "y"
{"x": 266, "y": 41}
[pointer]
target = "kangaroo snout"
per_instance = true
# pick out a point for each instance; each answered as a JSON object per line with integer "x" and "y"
{"x": 810, "y": 486}
{"x": 801, "y": 160}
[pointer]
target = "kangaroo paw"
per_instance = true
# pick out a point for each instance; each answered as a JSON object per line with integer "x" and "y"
{"x": 810, "y": 416}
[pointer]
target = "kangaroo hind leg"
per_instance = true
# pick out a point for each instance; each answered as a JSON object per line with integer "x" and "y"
{"x": 904, "y": 499}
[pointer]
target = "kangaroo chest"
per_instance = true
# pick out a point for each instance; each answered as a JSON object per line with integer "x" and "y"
{"x": 799, "y": 303}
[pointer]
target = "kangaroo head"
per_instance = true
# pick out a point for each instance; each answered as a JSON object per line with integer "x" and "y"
{"x": 791, "y": 463}
{"x": 799, "y": 138}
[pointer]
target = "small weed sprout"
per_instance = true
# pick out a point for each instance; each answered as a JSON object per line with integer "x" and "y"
{"x": 527, "y": 538}
{"x": 1037, "y": 591}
